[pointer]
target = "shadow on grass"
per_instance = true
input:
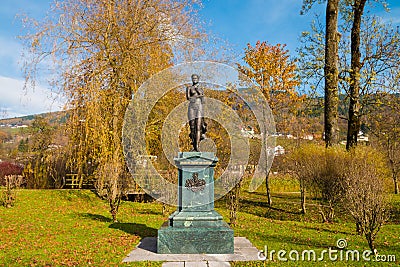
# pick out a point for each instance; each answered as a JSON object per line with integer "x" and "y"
{"x": 321, "y": 229}
{"x": 288, "y": 240}
{"x": 265, "y": 205}
{"x": 284, "y": 195}
{"x": 138, "y": 229}
{"x": 266, "y": 211}
{"x": 147, "y": 211}
{"x": 74, "y": 194}
{"x": 95, "y": 217}
{"x": 394, "y": 216}
{"x": 259, "y": 207}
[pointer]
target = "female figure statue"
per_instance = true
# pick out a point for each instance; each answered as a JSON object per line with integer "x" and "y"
{"x": 198, "y": 127}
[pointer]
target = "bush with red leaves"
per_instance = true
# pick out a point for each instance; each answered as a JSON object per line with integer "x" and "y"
{"x": 9, "y": 168}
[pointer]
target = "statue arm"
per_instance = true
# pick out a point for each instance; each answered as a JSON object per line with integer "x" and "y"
{"x": 187, "y": 93}
{"x": 200, "y": 93}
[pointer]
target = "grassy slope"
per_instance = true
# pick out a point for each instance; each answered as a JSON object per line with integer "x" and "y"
{"x": 73, "y": 228}
{"x": 285, "y": 228}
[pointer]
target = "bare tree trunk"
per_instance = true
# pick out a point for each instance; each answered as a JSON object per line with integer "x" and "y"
{"x": 303, "y": 201}
{"x": 331, "y": 73}
{"x": 268, "y": 189}
{"x": 114, "y": 206}
{"x": 359, "y": 229}
{"x": 327, "y": 212}
{"x": 354, "y": 123}
{"x": 394, "y": 173}
{"x": 322, "y": 213}
{"x": 234, "y": 202}
{"x": 116, "y": 184}
{"x": 370, "y": 241}
{"x": 164, "y": 209}
{"x": 396, "y": 185}
{"x": 303, "y": 197}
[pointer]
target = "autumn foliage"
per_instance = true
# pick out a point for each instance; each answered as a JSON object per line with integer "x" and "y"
{"x": 271, "y": 68}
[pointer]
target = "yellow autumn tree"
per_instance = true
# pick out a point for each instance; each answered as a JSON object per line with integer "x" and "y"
{"x": 103, "y": 50}
{"x": 270, "y": 67}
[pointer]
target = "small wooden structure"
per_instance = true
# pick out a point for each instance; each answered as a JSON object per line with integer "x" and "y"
{"x": 74, "y": 181}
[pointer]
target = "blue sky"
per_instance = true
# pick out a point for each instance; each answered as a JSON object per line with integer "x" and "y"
{"x": 241, "y": 22}
{"x": 237, "y": 21}
{"x": 275, "y": 21}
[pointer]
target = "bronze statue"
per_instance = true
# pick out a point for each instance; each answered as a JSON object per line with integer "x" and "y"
{"x": 198, "y": 127}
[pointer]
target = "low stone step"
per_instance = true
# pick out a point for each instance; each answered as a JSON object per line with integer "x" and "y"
{"x": 196, "y": 264}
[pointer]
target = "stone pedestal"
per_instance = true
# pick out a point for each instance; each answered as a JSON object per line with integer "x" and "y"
{"x": 195, "y": 227}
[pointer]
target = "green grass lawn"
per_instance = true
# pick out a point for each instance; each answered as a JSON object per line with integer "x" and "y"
{"x": 74, "y": 228}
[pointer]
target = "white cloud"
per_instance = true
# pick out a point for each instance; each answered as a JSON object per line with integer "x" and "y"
{"x": 15, "y": 101}
{"x": 393, "y": 16}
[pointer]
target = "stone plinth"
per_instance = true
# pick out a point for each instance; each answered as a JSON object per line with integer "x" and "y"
{"x": 195, "y": 227}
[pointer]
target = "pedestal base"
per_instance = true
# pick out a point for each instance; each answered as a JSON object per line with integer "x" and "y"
{"x": 195, "y": 219}
{"x": 195, "y": 240}
{"x": 195, "y": 228}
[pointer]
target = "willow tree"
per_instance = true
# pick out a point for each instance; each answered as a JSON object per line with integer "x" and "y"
{"x": 103, "y": 50}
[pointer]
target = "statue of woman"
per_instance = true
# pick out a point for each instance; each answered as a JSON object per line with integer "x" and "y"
{"x": 198, "y": 127}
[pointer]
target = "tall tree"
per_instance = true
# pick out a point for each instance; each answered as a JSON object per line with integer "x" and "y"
{"x": 379, "y": 57}
{"x": 332, "y": 38}
{"x": 354, "y": 122}
{"x": 331, "y": 91}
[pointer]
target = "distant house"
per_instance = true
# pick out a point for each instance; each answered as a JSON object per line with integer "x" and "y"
{"x": 279, "y": 150}
{"x": 247, "y": 132}
{"x": 308, "y": 137}
{"x": 53, "y": 146}
{"x": 14, "y": 126}
{"x": 361, "y": 137}
{"x": 142, "y": 160}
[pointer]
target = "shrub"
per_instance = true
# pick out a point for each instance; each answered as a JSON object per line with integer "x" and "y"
{"x": 306, "y": 162}
{"x": 10, "y": 177}
{"x": 353, "y": 180}
{"x": 9, "y": 196}
{"x": 364, "y": 194}
{"x": 9, "y": 168}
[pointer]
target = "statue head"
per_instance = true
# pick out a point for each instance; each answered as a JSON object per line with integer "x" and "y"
{"x": 195, "y": 78}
